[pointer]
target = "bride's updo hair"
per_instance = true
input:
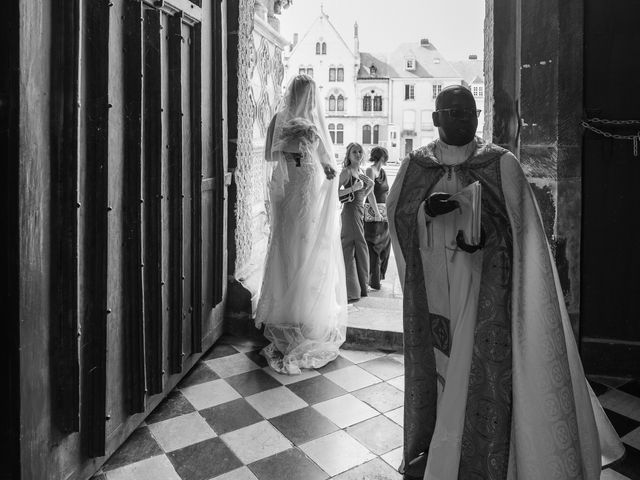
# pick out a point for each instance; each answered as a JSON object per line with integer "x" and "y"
{"x": 301, "y": 86}
{"x": 351, "y": 146}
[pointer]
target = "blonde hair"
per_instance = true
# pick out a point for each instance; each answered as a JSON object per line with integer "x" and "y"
{"x": 350, "y": 147}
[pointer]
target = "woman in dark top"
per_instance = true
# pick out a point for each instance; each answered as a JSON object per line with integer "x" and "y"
{"x": 376, "y": 226}
{"x": 354, "y": 188}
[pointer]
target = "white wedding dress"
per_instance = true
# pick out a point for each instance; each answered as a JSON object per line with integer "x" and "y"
{"x": 303, "y": 300}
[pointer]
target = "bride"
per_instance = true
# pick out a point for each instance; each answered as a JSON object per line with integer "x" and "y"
{"x": 303, "y": 300}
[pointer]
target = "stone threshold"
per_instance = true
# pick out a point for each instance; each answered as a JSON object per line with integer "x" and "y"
{"x": 358, "y": 337}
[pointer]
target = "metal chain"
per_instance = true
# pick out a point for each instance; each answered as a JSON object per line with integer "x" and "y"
{"x": 634, "y": 138}
{"x": 613, "y": 122}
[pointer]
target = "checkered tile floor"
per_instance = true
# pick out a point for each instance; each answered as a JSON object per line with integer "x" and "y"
{"x": 233, "y": 418}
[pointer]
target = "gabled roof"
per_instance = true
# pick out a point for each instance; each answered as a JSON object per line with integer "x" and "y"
{"x": 471, "y": 71}
{"x": 320, "y": 18}
{"x": 377, "y": 59}
{"x": 429, "y": 63}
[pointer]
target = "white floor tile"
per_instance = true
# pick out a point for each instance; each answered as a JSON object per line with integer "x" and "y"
{"x": 633, "y": 438}
{"x": 181, "y": 431}
{"x": 375, "y": 469}
{"x": 359, "y": 356}
{"x": 396, "y": 415}
{"x": 255, "y": 442}
{"x": 289, "y": 379}
{"x": 385, "y": 368}
{"x": 346, "y": 410}
{"x": 381, "y": 396}
{"x": 622, "y": 403}
{"x": 210, "y": 394}
{"x": 232, "y": 365}
{"x": 398, "y": 357}
{"x": 336, "y": 452}
{"x": 379, "y": 434}
{"x": 393, "y": 458}
{"x": 150, "y": 469}
{"x": 397, "y": 382}
{"x": 276, "y": 401}
{"x": 352, "y": 378}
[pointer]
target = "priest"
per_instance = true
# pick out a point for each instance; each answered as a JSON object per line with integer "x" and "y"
{"x": 494, "y": 387}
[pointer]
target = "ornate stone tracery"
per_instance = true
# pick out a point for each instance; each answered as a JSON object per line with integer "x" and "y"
{"x": 260, "y": 76}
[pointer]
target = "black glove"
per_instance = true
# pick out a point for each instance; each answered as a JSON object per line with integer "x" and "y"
{"x": 438, "y": 203}
{"x": 469, "y": 248}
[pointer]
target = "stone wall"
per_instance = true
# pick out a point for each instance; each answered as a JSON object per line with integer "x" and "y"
{"x": 533, "y": 104}
{"x": 260, "y": 76}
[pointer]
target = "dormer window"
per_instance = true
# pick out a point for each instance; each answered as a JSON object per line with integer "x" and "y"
{"x": 373, "y": 70}
{"x": 410, "y": 63}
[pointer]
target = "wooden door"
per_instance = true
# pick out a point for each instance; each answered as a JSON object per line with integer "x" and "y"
{"x": 129, "y": 234}
{"x": 610, "y": 332}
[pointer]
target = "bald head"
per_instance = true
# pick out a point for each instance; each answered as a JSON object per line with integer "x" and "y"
{"x": 455, "y": 115}
{"x": 455, "y": 94}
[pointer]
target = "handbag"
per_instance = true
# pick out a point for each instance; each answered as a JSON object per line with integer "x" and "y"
{"x": 369, "y": 213}
{"x": 347, "y": 197}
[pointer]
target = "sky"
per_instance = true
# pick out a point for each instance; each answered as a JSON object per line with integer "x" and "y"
{"x": 455, "y": 27}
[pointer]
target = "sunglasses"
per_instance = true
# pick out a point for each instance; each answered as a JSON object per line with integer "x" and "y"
{"x": 461, "y": 113}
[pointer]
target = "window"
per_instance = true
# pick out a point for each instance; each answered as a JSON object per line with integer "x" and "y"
{"x": 478, "y": 91}
{"x": 332, "y": 103}
{"x": 376, "y": 134}
{"x": 373, "y": 71}
{"x": 410, "y": 64}
{"x": 437, "y": 88}
{"x": 366, "y": 134}
{"x": 366, "y": 103}
{"x": 317, "y": 48}
{"x": 426, "y": 122}
{"x": 409, "y": 93}
{"x": 340, "y": 74}
{"x": 332, "y": 132}
{"x": 310, "y": 71}
{"x": 377, "y": 103}
{"x": 302, "y": 70}
{"x": 324, "y": 48}
{"x": 409, "y": 120}
{"x": 332, "y": 74}
{"x": 340, "y": 103}
{"x": 340, "y": 134}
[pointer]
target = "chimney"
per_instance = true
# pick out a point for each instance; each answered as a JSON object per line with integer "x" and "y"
{"x": 295, "y": 40}
{"x": 356, "y": 40}
{"x": 473, "y": 57}
{"x": 424, "y": 42}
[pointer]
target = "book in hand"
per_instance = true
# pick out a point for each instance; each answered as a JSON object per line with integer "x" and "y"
{"x": 469, "y": 213}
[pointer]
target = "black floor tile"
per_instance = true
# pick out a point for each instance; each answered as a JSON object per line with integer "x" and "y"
{"x": 632, "y": 387}
{"x": 174, "y": 405}
{"x": 630, "y": 465}
{"x": 252, "y": 382}
{"x": 303, "y": 425}
{"x": 621, "y": 423}
{"x": 231, "y": 416}
{"x": 201, "y": 373}
{"x": 316, "y": 389}
{"x": 139, "y": 446}
{"x": 598, "y": 388}
{"x": 339, "y": 362}
{"x": 257, "y": 358}
{"x": 204, "y": 460}
{"x": 219, "y": 350}
{"x": 290, "y": 464}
